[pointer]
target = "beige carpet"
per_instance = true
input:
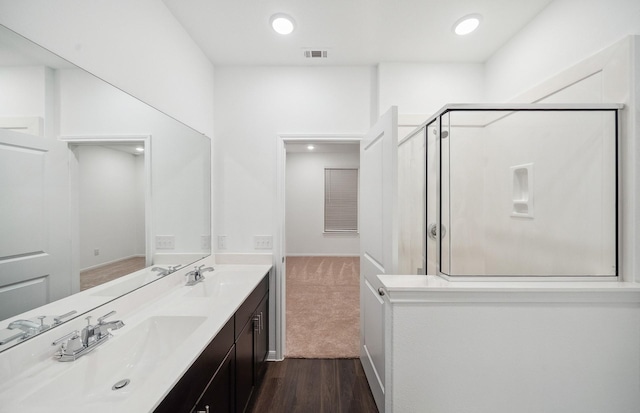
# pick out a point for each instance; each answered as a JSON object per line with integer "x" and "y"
{"x": 323, "y": 307}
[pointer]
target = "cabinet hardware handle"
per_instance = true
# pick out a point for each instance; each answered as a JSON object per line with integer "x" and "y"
{"x": 256, "y": 323}
{"x": 381, "y": 291}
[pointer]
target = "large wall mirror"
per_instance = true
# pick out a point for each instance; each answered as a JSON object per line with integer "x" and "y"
{"x": 100, "y": 193}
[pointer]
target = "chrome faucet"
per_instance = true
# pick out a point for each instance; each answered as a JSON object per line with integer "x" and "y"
{"x": 28, "y": 328}
{"x": 75, "y": 345}
{"x": 195, "y": 276}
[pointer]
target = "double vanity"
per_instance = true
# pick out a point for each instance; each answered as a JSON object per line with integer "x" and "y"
{"x": 168, "y": 347}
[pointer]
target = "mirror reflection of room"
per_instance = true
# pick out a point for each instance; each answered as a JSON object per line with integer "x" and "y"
{"x": 77, "y": 158}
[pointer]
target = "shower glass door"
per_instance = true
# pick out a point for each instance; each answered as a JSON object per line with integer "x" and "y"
{"x": 522, "y": 191}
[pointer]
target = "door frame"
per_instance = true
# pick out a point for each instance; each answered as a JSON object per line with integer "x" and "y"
{"x": 279, "y": 245}
{"x": 74, "y": 194}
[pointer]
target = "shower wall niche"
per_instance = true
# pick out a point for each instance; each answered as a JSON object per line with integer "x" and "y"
{"x": 527, "y": 190}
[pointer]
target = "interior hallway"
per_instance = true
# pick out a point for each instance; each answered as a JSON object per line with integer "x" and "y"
{"x": 323, "y": 307}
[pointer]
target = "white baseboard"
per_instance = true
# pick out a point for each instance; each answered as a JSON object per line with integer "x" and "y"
{"x": 111, "y": 262}
{"x": 272, "y": 356}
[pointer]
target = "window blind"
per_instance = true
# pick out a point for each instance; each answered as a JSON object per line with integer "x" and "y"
{"x": 340, "y": 200}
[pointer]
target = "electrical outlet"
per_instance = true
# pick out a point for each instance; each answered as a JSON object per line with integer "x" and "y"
{"x": 96, "y": 252}
{"x": 165, "y": 242}
{"x": 263, "y": 242}
{"x": 222, "y": 242}
{"x": 205, "y": 242}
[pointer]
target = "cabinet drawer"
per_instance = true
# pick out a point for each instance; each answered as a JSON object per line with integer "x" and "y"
{"x": 246, "y": 310}
{"x": 185, "y": 394}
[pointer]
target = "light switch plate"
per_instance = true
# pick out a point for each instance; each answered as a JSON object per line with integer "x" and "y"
{"x": 263, "y": 242}
{"x": 205, "y": 242}
{"x": 165, "y": 242}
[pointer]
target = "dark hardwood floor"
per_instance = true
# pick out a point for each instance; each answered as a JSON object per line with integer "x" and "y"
{"x": 314, "y": 386}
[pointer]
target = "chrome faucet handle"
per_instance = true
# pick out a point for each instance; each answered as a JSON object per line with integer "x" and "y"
{"x": 43, "y": 326}
{"x": 109, "y": 314}
{"x": 58, "y": 319}
{"x": 13, "y": 337}
{"x": 72, "y": 345}
{"x": 72, "y": 335}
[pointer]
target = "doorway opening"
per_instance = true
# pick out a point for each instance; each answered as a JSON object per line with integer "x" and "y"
{"x": 111, "y": 191}
{"x": 319, "y": 248}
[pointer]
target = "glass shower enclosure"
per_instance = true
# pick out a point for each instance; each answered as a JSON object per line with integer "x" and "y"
{"x": 519, "y": 190}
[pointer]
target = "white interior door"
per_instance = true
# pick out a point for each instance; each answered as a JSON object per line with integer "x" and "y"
{"x": 35, "y": 248}
{"x": 378, "y": 242}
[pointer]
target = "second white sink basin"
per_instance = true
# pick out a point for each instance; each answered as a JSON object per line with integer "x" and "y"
{"x": 218, "y": 284}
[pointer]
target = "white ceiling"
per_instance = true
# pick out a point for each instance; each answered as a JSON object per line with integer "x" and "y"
{"x": 355, "y": 32}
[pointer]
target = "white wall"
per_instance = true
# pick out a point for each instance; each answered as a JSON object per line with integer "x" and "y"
{"x": 423, "y": 88}
{"x": 494, "y": 353}
{"x": 110, "y": 218}
{"x": 305, "y": 205}
{"x": 137, "y": 46}
{"x": 253, "y": 106}
{"x": 563, "y": 34}
{"x": 23, "y": 91}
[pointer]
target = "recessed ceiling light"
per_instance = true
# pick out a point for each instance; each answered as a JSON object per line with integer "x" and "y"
{"x": 467, "y": 24}
{"x": 311, "y": 147}
{"x": 282, "y": 23}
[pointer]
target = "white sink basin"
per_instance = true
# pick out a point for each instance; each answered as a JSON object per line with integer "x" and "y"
{"x": 133, "y": 355}
{"x": 218, "y": 284}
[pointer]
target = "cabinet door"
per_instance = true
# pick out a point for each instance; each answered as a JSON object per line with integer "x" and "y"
{"x": 219, "y": 396}
{"x": 244, "y": 367}
{"x": 189, "y": 390}
{"x": 261, "y": 337}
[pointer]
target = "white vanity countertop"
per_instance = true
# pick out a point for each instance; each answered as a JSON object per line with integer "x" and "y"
{"x": 430, "y": 288}
{"x": 158, "y": 343}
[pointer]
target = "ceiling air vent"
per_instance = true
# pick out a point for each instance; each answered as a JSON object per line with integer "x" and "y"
{"x": 315, "y": 54}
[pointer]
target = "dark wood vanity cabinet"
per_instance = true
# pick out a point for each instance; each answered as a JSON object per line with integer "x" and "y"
{"x": 252, "y": 344}
{"x": 261, "y": 338}
{"x": 224, "y": 376}
{"x": 220, "y": 396}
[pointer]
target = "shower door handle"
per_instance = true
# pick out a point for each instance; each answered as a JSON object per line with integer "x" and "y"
{"x": 432, "y": 231}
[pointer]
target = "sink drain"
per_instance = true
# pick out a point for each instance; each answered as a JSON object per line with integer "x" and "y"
{"x": 120, "y": 384}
